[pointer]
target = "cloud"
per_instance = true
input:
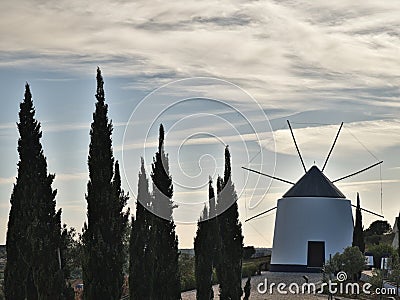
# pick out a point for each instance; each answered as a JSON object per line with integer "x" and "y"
{"x": 294, "y": 50}
{"x": 9, "y": 125}
{"x": 9, "y": 180}
{"x": 60, "y": 177}
{"x": 71, "y": 177}
{"x": 72, "y": 126}
{"x": 294, "y": 56}
{"x": 377, "y": 136}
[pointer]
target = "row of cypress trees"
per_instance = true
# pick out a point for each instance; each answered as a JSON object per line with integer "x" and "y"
{"x": 153, "y": 260}
{"x": 219, "y": 241}
{"x": 36, "y": 242}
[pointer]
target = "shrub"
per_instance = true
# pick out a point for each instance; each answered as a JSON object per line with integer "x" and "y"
{"x": 379, "y": 251}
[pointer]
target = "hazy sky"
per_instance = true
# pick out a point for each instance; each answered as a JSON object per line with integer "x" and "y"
{"x": 214, "y": 73}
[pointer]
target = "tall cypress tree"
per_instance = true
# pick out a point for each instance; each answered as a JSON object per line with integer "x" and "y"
{"x": 398, "y": 234}
{"x": 33, "y": 269}
{"x": 229, "y": 267}
{"x": 103, "y": 233}
{"x": 141, "y": 267}
{"x": 204, "y": 249}
{"x": 358, "y": 233}
{"x": 166, "y": 273}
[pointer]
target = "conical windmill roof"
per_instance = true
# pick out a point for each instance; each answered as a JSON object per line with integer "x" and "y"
{"x": 314, "y": 184}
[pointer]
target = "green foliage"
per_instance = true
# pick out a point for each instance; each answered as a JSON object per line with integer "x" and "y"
{"x": 394, "y": 274}
{"x": 376, "y": 280}
{"x": 248, "y": 252}
{"x": 141, "y": 255}
{"x": 187, "y": 271}
{"x": 34, "y": 228}
{"x": 230, "y": 248}
{"x": 358, "y": 233}
{"x": 249, "y": 270}
{"x": 103, "y": 249}
{"x": 71, "y": 253}
{"x": 398, "y": 235}
{"x": 166, "y": 284}
{"x": 373, "y": 239}
{"x": 153, "y": 247}
{"x": 204, "y": 248}
{"x": 378, "y": 227}
{"x": 351, "y": 261}
{"x": 379, "y": 251}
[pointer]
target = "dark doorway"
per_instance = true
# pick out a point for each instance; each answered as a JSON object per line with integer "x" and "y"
{"x": 316, "y": 254}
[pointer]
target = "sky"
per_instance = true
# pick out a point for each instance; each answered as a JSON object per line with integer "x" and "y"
{"x": 215, "y": 73}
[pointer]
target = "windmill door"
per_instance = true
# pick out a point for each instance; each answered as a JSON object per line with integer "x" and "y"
{"x": 316, "y": 254}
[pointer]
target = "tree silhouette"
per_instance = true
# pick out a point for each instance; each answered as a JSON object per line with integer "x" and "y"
{"x": 141, "y": 255}
{"x": 166, "y": 273}
{"x": 33, "y": 269}
{"x": 230, "y": 250}
{"x": 358, "y": 233}
{"x": 204, "y": 248}
{"x": 103, "y": 254}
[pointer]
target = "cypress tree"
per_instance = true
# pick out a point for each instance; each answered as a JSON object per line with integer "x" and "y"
{"x": 103, "y": 234}
{"x": 229, "y": 267}
{"x": 166, "y": 284}
{"x": 398, "y": 234}
{"x": 118, "y": 231}
{"x": 358, "y": 233}
{"x": 204, "y": 249}
{"x": 141, "y": 268}
{"x": 33, "y": 269}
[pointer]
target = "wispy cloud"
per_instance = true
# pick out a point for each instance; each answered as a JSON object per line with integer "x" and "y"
{"x": 378, "y": 135}
{"x": 293, "y": 50}
{"x": 8, "y": 180}
{"x": 292, "y": 56}
{"x": 71, "y": 176}
{"x": 61, "y": 127}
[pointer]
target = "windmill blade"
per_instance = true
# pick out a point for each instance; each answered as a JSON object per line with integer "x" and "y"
{"x": 333, "y": 145}
{"x": 358, "y": 172}
{"x": 297, "y": 147}
{"x": 270, "y": 176}
{"x": 368, "y": 211}
{"x": 260, "y": 214}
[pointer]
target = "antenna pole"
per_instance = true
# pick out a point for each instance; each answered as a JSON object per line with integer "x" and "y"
{"x": 260, "y": 214}
{"x": 297, "y": 148}
{"x": 330, "y": 151}
{"x": 270, "y": 176}
{"x": 358, "y": 172}
{"x": 368, "y": 211}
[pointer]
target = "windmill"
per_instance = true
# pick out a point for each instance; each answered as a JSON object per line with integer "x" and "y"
{"x": 313, "y": 218}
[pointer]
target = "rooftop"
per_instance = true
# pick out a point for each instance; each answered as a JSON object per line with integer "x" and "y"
{"x": 314, "y": 184}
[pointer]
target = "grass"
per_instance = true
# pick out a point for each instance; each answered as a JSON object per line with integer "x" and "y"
{"x": 250, "y": 267}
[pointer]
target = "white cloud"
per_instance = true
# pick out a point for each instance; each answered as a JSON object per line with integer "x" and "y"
{"x": 277, "y": 50}
{"x": 312, "y": 141}
{"x": 71, "y": 176}
{"x": 291, "y": 55}
{"x": 9, "y": 180}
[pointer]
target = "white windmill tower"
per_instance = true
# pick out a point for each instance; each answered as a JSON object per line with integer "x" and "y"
{"x": 313, "y": 220}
